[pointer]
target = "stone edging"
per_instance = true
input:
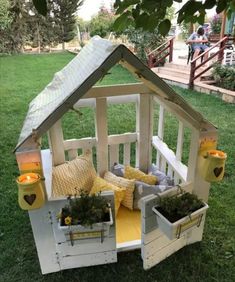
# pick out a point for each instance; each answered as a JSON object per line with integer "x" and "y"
{"x": 226, "y": 95}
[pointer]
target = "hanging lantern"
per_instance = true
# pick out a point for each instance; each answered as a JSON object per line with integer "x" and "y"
{"x": 31, "y": 193}
{"x": 213, "y": 165}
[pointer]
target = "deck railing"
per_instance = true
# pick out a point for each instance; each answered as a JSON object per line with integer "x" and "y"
{"x": 160, "y": 53}
{"x": 195, "y": 67}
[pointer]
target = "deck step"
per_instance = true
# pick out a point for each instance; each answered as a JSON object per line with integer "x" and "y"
{"x": 174, "y": 72}
{"x": 177, "y": 66}
{"x": 174, "y": 80}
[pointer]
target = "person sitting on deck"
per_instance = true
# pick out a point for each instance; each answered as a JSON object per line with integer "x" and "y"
{"x": 197, "y": 41}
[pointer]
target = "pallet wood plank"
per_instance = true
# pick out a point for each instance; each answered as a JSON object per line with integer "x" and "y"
{"x": 126, "y": 154}
{"x": 68, "y": 262}
{"x": 47, "y": 170}
{"x": 146, "y": 238}
{"x": 44, "y": 239}
{"x": 144, "y": 128}
{"x": 113, "y": 155}
{"x": 101, "y": 135}
{"x": 201, "y": 187}
{"x": 122, "y": 138}
{"x": 72, "y": 154}
{"x": 170, "y": 157}
{"x": 74, "y": 144}
{"x": 57, "y": 143}
{"x": 165, "y": 252}
{"x": 91, "y": 246}
{"x": 180, "y": 141}
{"x": 116, "y": 90}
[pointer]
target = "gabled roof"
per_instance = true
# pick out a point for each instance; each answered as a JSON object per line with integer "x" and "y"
{"x": 76, "y": 78}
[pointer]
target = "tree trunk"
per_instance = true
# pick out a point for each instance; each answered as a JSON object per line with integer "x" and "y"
{"x": 38, "y": 38}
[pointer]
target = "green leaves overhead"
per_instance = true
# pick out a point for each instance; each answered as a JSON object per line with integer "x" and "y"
{"x": 151, "y": 14}
{"x": 164, "y": 27}
{"x": 123, "y": 21}
{"x": 41, "y": 6}
{"x": 209, "y": 4}
{"x": 221, "y": 6}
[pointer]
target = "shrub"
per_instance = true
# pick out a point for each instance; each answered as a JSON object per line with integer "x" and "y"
{"x": 224, "y": 76}
{"x": 216, "y": 23}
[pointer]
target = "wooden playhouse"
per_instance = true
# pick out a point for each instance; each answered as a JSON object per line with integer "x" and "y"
{"x": 73, "y": 87}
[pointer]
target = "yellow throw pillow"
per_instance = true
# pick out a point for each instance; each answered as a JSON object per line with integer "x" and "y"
{"x": 102, "y": 185}
{"x": 122, "y": 182}
{"x": 69, "y": 178}
{"x": 134, "y": 173}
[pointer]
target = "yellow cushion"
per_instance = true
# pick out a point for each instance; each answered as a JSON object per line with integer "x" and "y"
{"x": 72, "y": 176}
{"x": 134, "y": 173}
{"x": 102, "y": 185}
{"x": 122, "y": 182}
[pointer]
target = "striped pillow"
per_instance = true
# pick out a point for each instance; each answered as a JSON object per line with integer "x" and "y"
{"x": 72, "y": 176}
{"x": 122, "y": 182}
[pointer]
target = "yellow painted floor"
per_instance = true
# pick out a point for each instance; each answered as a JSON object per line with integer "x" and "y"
{"x": 128, "y": 225}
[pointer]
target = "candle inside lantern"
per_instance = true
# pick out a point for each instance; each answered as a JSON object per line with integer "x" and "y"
{"x": 28, "y": 178}
{"x": 217, "y": 154}
{"x": 31, "y": 191}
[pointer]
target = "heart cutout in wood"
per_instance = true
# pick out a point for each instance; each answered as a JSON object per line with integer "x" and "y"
{"x": 30, "y": 199}
{"x": 218, "y": 171}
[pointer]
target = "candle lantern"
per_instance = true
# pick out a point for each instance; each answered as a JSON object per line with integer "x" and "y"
{"x": 31, "y": 192}
{"x": 212, "y": 165}
{"x": 29, "y": 161}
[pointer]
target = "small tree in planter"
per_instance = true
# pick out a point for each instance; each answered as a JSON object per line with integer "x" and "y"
{"x": 87, "y": 214}
{"x": 179, "y": 213}
{"x": 215, "y": 28}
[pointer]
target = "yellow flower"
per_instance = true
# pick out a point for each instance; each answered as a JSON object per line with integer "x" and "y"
{"x": 68, "y": 220}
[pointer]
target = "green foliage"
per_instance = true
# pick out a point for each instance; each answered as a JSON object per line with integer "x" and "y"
{"x": 14, "y": 35}
{"x": 185, "y": 28}
{"x": 86, "y": 209}
{"x": 179, "y": 206}
{"x": 144, "y": 41}
{"x": 25, "y": 25}
{"x": 216, "y": 24}
{"x": 41, "y": 6}
{"x": 64, "y": 16}
{"x": 102, "y": 24}
{"x": 224, "y": 76}
{"x": 151, "y": 14}
{"x": 42, "y": 31}
{"x": 5, "y": 18}
{"x": 5, "y": 21}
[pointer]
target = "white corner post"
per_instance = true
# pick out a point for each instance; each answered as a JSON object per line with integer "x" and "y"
{"x": 101, "y": 127}
{"x": 56, "y": 142}
{"x": 200, "y": 186}
{"x": 160, "y": 133}
{"x": 144, "y": 129}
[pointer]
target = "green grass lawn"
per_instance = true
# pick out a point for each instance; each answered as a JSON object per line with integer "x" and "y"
{"x": 22, "y": 77}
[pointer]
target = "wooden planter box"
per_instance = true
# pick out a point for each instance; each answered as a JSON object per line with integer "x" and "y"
{"x": 78, "y": 232}
{"x": 176, "y": 229}
{"x": 214, "y": 37}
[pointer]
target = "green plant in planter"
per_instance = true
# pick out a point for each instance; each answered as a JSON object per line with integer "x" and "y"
{"x": 179, "y": 206}
{"x": 85, "y": 210}
{"x": 216, "y": 24}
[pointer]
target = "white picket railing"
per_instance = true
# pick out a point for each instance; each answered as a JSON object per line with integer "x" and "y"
{"x": 108, "y": 149}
